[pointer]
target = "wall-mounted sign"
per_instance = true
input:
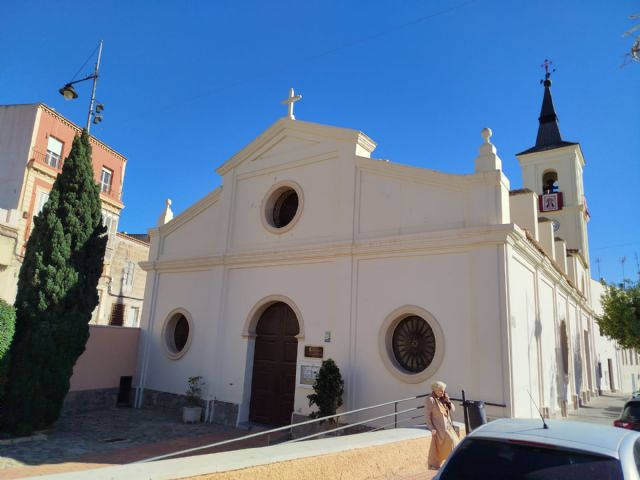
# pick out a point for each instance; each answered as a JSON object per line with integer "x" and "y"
{"x": 550, "y": 202}
{"x": 313, "y": 351}
{"x": 308, "y": 374}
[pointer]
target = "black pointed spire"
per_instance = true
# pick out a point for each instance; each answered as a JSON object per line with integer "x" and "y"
{"x": 549, "y": 131}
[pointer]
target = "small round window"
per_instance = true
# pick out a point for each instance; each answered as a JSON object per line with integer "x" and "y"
{"x": 177, "y": 335}
{"x": 414, "y": 344}
{"x": 285, "y": 208}
{"x": 282, "y": 207}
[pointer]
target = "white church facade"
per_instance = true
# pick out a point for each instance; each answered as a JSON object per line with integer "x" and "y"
{"x": 313, "y": 249}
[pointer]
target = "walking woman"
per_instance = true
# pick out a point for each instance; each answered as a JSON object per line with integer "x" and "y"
{"x": 438, "y": 409}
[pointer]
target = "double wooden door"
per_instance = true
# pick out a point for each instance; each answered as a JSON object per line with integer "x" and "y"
{"x": 274, "y": 366}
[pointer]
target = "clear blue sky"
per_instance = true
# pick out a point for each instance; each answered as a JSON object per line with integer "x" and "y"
{"x": 188, "y": 84}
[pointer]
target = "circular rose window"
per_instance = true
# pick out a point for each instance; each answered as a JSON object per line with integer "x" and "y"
{"x": 413, "y": 344}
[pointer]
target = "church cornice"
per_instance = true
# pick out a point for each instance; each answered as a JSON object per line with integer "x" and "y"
{"x": 524, "y": 243}
{"x": 450, "y": 241}
{"x": 555, "y": 154}
{"x": 427, "y": 176}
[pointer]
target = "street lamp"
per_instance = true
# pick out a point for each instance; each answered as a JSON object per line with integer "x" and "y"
{"x": 69, "y": 93}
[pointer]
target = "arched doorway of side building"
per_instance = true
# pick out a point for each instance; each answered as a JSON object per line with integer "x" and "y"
{"x": 274, "y": 366}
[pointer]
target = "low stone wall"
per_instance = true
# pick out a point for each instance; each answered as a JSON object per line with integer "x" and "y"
{"x": 223, "y": 413}
{"x": 165, "y": 400}
{"x": 83, "y": 401}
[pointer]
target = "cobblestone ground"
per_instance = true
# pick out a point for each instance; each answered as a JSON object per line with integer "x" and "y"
{"x": 101, "y": 432}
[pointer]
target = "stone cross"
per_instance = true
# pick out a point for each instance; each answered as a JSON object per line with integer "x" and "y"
{"x": 293, "y": 98}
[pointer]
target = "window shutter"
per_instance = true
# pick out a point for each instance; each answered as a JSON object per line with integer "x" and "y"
{"x": 117, "y": 314}
{"x": 54, "y": 145}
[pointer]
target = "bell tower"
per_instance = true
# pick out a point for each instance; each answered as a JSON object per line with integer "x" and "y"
{"x": 553, "y": 168}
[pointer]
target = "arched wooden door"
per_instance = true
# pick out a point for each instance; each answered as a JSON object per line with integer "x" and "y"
{"x": 274, "y": 366}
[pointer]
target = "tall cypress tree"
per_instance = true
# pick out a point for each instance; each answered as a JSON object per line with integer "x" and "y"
{"x": 56, "y": 295}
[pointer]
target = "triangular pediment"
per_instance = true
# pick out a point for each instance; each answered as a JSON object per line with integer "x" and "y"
{"x": 286, "y": 136}
{"x": 285, "y": 144}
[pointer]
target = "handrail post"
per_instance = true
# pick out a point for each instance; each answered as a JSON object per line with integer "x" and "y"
{"x": 466, "y": 417}
{"x": 395, "y": 417}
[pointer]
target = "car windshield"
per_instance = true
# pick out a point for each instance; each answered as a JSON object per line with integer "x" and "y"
{"x": 502, "y": 460}
{"x": 631, "y": 410}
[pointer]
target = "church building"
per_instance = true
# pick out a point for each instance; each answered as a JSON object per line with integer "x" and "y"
{"x": 311, "y": 249}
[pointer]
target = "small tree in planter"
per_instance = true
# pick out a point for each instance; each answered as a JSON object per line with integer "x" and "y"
{"x": 328, "y": 389}
{"x": 192, "y": 412}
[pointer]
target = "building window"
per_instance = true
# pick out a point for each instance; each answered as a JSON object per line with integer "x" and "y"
{"x": 54, "y": 153}
{"x": 127, "y": 277}
{"x": 117, "y": 314}
{"x": 134, "y": 316}
{"x": 105, "y": 180}
{"x": 282, "y": 207}
{"x": 411, "y": 344}
{"x": 564, "y": 348}
{"x": 43, "y": 198}
{"x": 110, "y": 221}
{"x": 177, "y": 333}
{"x": 414, "y": 344}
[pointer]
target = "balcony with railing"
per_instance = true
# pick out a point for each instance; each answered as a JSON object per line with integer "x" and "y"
{"x": 54, "y": 162}
{"x": 48, "y": 158}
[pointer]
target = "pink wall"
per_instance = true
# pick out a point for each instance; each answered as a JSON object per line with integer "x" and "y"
{"x": 111, "y": 353}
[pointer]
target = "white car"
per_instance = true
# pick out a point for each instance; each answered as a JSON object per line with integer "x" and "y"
{"x": 525, "y": 449}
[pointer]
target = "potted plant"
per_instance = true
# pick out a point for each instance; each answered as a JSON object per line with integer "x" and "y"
{"x": 192, "y": 411}
{"x": 328, "y": 389}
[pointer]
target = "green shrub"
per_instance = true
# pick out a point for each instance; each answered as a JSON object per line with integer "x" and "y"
{"x": 7, "y": 328}
{"x": 328, "y": 389}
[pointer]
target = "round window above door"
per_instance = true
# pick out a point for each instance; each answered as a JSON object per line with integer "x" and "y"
{"x": 282, "y": 207}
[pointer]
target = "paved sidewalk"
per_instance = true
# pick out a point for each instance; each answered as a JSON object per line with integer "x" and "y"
{"x": 602, "y": 410}
{"x": 112, "y": 437}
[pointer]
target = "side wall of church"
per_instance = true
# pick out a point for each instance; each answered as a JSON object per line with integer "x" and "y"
{"x": 541, "y": 307}
{"x": 524, "y": 362}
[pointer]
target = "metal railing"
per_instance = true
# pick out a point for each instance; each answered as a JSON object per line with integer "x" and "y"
{"x": 57, "y": 162}
{"x": 364, "y": 423}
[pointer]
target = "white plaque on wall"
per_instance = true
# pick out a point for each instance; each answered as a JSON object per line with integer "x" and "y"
{"x": 307, "y": 374}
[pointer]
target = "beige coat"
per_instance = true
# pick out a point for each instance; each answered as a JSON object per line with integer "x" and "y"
{"x": 438, "y": 418}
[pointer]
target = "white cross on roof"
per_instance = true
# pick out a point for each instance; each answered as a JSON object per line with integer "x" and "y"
{"x": 293, "y": 98}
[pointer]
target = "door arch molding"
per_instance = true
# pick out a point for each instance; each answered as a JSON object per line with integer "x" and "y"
{"x": 251, "y": 322}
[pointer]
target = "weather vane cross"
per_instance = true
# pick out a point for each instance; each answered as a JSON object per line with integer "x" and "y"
{"x": 293, "y": 98}
{"x": 546, "y": 64}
